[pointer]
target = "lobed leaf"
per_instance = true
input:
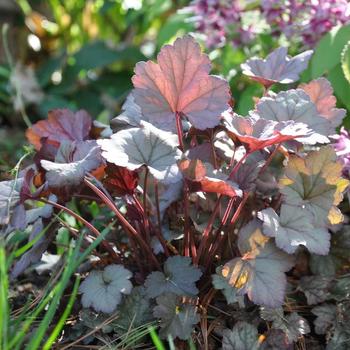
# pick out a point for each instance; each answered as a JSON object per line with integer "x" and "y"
{"x": 293, "y": 227}
{"x": 295, "y": 105}
{"x": 177, "y": 318}
{"x": 258, "y": 133}
{"x": 72, "y": 162}
{"x": 61, "y": 125}
{"x": 179, "y": 278}
{"x": 320, "y": 92}
{"x": 259, "y": 273}
{"x": 315, "y": 183}
{"x": 277, "y": 67}
{"x": 102, "y": 290}
{"x": 243, "y": 336}
{"x": 145, "y": 146}
{"x": 180, "y": 83}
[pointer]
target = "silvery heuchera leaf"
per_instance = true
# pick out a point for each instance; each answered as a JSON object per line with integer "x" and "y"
{"x": 295, "y": 105}
{"x": 221, "y": 283}
{"x": 320, "y": 92}
{"x": 144, "y": 146}
{"x": 293, "y": 325}
{"x": 326, "y": 317}
{"x": 61, "y": 125}
{"x": 243, "y": 336}
{"x": 179, "y": 277}
{"x": 35, "y": 253}
{"x": 340, "y": 289}
{"x": 134, "y": 311}
{"x": 293, "y": 227}
{"x": 177, "y": 318}
{"x": 260, "y": 271}
{"x": 102, "y": 290}
{"x": 315, "y": 183}
{"x": 180, "y": 82}
{"x": 204, "y": 178}
{"x": 72, "y": 162}
{"x": 277, "y": 67}
{"x": 257, "y": 133}
{"x": 130, "y": 117}
{"x": 315, "y": 288}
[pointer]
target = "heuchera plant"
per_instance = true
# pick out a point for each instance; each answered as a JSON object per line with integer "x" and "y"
{"x": 211, "y": 208}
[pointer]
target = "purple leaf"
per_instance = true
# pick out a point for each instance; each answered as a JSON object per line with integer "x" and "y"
{"x": 72, "y": 162}
{"x": 180, "y": 82}
{"x": 61, "y": 125}
{"x": 278, "y": 67}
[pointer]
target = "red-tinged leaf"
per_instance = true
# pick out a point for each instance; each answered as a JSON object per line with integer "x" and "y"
{"x": 320, "y": 92}
{"x": 258, "y": 133}
{"x": 120, "y": 181}
{"x": 180, "y": 82}
{"x": 192, "y": 169}
{"x": 278, "y": 67}
{"x": 61, "y": 125}
{"x": 202, "y": 177}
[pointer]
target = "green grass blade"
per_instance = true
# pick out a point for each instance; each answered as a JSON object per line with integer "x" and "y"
{"x": 4, "y": 306}
{"x": 156, "y": 341}
{"x": 55, "y": 333}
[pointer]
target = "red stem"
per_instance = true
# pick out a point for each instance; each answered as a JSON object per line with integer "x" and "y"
{"x": 128, "y": 228}
{"x": 187, "y": 222}
{"x": 239, "y": 163}
{"x": 207, "y": 231}
{"x": 91, "y": 227}
{"x": 179, "y": 130}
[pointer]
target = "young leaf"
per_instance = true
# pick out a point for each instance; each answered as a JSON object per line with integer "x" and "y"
{"x": 296, "y": 105}
{"x": 293, "y": 227}
{"x": 204, "y": 178}
{"x": 102, "y": 290}
{"x": 72, "y": 162}
{"x": 145, "y": 146}
{"x": 258, "y": 133}
{"x": 260, "y": 271}
{"x": 178, "y": 278}
{"x": 120, "y": 181}
{"x": 278, "y": 67}
{"x": 320, "y": 92}
{"x": 177, "y": 319}
{"x": 243, "y": 336}
{"x": 61, "y": 125}
{"x": 180, "y": 83}
{"x": 293, "y": 325}
{"x": 315, "y": 182}
{"x": 326, "y": 317}
{"x": 315, "y": 288}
